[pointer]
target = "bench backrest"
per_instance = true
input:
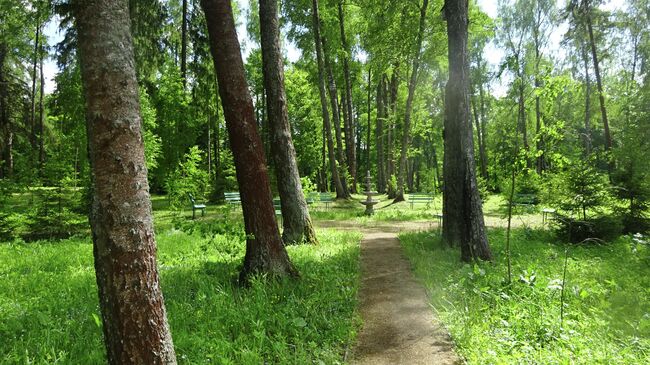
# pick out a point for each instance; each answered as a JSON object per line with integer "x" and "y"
{"x": 189, "y": 195}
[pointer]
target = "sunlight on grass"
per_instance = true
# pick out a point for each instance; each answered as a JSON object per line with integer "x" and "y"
{"x": 49, "y": 308}
{"x": 607, "y": 300}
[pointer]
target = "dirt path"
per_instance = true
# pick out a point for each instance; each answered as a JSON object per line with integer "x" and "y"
{"x": 398, "y": 324}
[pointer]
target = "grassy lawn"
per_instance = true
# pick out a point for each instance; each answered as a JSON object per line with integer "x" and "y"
{"x": 49, "y": 310}
{"x": 606, "y": 299}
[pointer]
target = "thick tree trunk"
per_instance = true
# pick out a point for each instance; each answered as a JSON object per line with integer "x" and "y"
{"x": 379, "y": 135}
{"x": 340, "y": 192}
{"x": 599, "y": 83}
{"x": 135, "y": 322}
{"x": 295, "y": 215}
{"x": 350, "y": 127}
{"x": 587, "y": 133}
{"x": 463, "y": 214}
{"x": 406, "y": 131}
{"x": 333, "y": 93}
{"x": 265, "y": 252}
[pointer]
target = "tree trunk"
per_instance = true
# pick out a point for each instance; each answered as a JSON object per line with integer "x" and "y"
{"x": 463, "y": 214}
{"x": 587, "y": 132}
{"x": 379, "y": 135}
{"x": 406, "y": 131}
{"x": 599, "y": 83}
{"x": 390, "y": 171}
{"x": 6, "y": 130}
{"x": 295, "y": 215}
{"x": 333, "y": 93}
{"x": 184, "y": 45}
{"x": 340, "y": 192}
{"x": 265, "y": 252}
{"x": 368, "y": 140}
{"x": 124, "y": 246}
{"x": 350, "y": 127}
{"x": 33, "y": 126}
{"x": 41, "y": 122}
{"x": 484, "y": 155}
{"x": 541, "y": 165}
{"x": 479, "y": 138}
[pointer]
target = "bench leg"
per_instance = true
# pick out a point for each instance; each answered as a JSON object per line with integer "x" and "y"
{"x": 193, "y": 213}
{"x": 203, "y": 212}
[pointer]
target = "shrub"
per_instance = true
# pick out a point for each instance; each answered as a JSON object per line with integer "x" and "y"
{"x": 603, "y": 228}
{"x": 188, "y": 178}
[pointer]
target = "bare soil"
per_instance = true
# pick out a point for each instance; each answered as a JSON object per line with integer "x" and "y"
{"x": 399, "y": 326}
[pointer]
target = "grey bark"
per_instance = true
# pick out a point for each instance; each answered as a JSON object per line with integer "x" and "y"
{"x": 295, "y": 215}
{"x": 124, "y": 246}
{"x": 463, "y": 223}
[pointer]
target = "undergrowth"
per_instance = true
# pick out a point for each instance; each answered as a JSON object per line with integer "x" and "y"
{"x": 606, "y": 316}
{"x": 49, "y": 308}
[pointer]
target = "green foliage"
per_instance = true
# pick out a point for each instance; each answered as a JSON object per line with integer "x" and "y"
{"x": 152, "y": 143}
{"x": 581, "y": 188}
{"x": 50, "y": 289}
{"x": 596, "y": 230}
{"x": 491, "y": 322}
{"x": 188, "y": 178}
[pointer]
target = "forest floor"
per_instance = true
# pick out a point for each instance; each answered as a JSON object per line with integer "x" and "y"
{"x": 398, "y": 324}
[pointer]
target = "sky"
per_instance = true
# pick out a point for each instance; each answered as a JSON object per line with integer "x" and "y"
{"x": 493, "y": 54}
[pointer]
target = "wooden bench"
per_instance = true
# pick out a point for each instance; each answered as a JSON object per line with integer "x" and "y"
{"x": 419, "y": 198}
{"x": 196, "y": 207}
{"x": 232, "y": 198}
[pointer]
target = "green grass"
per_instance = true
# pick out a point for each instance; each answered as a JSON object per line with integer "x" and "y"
{"x": 606, "y": 311}
{"x": 49, "y": 309}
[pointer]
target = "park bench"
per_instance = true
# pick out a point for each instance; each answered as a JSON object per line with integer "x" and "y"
{"x": 325, "y": 198}
{"x": 232, "y": 197}
{"x": 525, "y": 201}
{"x": 419, "y": 198}
{"x": 277, "y": 205}
{"x": 195, "y": 206}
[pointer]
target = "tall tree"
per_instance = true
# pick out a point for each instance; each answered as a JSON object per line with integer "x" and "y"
{"x": 124, "y": 246}
{"x": 295, "y": 215}
{"x": 406, "y": 130}
{"x": 327, "y": 127}
{"x": 349, "y": 125}
{"x": 265, "y": 251}
{"x": 336, "y": 117}
{"x": 379, "y": 133}
{"x": 463, "y": 223}
{"x": 586, "y": 9}
{"x": 184, "y": 44}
